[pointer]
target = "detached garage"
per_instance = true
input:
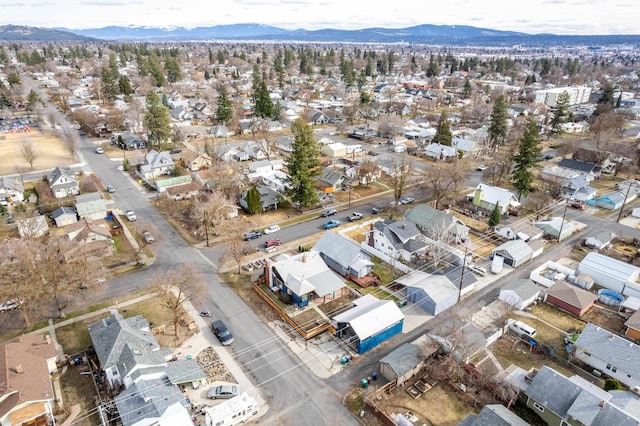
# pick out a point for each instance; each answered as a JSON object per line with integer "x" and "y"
{"x": 433, "y": 293}
{"x": 407, "y": 360}
{"x": 608, "y": 272}
{"x": 570, "y": 298}
{"x": 520, "y": 293}
{"x": 514, "y": 252}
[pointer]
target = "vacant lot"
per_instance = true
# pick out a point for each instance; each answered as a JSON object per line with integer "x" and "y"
{"x": 50, "y": 152}
{"x": 517, "y": 353}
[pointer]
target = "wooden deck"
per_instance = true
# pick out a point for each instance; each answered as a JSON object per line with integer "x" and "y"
{"x": 364, "y": 281}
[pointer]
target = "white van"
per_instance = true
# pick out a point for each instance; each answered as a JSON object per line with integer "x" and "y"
{"x": 521, "y": 329}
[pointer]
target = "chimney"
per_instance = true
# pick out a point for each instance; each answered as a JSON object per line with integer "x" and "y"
{"x": 48, "y": 339}
{"x": 18, "y": 369}
{"x": 304, "y": 258}
{"x": 601, "y": 405}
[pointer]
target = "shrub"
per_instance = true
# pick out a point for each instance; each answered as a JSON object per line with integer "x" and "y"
{"x": 612, "y": 384}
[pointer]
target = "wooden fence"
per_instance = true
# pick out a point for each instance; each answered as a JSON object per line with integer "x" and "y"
{"x": 306, "y": 334}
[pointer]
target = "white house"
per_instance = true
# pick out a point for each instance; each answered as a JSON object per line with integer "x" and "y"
{"x": 486, "y": 196}
{"x": 11, "y": 189}
{"x": 440, "y": 152}
{"x": 63, "y": 184}
{"x": 520, "y": 293}
{"x": 156, "y": 164}
{"x": 401, "y": 239}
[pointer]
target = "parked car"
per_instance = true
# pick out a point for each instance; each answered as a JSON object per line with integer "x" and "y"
{"x": 355, "y": 216}
{"x": 377, "y": 210}
{"x": 99, "y": 150}
{"x": 148, "y": 238}
{"x": 481, "y": 168}
{"x": 175, "y": 151}
{"x": 272, "y": 243}
{"x": 328, "y": 213}
{"x": 222, "y": 392}
{"x": 271, "y": 229}
{"x": 578, "y": 205}
{"x": 10, "y": 305}
{"x": 331, "y": 224}
{"x": 110, "y": 189}
{"x": 131, "y": 215}
{"x": 222, "y": 333}
{"x": 407, "y": 200}
{"x": 252, "y": 235}
{"x": 478, "y": 270}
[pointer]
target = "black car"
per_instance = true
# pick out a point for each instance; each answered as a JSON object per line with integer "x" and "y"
{"x": 175, "y": 151}
{"x": 327, "y": 213}
{"x": 222, "y": 333}
{"x": 252, "y": 235}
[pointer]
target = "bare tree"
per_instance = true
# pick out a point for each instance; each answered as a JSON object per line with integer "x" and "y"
{"x": 390, "y": 126}
{"x": 140, "y": 233}
{"x": 442, "y": 179}
{"x": 236, "y": 246}
{"x": 368, "y": 172}
{"x": 537, "y": 203}
{"x": 211, "y": 211}
{"x": 606, "y": 128}
{"x": 29, "y": 152}
{"x": 400, "y": 172}
{"x": 175, "y": 288}
{"x": 70, "y": 137}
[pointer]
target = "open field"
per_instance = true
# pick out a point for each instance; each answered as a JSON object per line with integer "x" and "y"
{"x": 50, "y": 152}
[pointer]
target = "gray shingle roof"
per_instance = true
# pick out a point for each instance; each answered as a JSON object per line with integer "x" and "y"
{"x": 553, "y": 390}
{"x": 493, "y": 415}
{"x": 147, "y": 399}
{"x": 406, "y": 357}
{"x": 574, "y": 296}
{"x": 612, "y": 349}
{"x": 516, "y": 249}
{"x": 582, "y": 166}
{"x": 338, "y": 249}
{"x": 525, "y": 288}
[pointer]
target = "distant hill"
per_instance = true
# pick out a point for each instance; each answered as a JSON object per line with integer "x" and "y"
{"x": 21, "y": 32}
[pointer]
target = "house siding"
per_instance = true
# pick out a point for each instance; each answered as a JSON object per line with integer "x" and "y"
{"x": 375, "y": 340}
{"x": 573, "y": 310}
{"x": 597, "y": 363}
{"x": 549, "y": 417}
{"x": 632, "y": 333}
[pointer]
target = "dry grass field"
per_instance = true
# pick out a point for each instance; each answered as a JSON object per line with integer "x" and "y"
{"x": 50, "y": 152}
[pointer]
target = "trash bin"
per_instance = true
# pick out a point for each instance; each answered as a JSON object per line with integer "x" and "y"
{"x": 364, "y": 383}
{"x": 374, "y": 376}
{"x": 343, "y": 361}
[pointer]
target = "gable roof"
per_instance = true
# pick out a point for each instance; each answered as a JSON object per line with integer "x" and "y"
{"x": 156, "y": 160}
{"x": 407, "y": 356}
{"x": 610, "y": 348}
{"x": 91, "y": 207}
{"x": 582, "y": 166}
{"x": 150, "y": 399}
{"x": 61, "y": 211}
{"x": 308, "y": 271}
{"x": 11, "y": 184}
{"x": 574, "y": 296}
{"x": 330, "y": 177}
{"x": 438, "y": 287}
{"x": 61, "y": 179}
{"x": 516, "y": 249}
{"x": 523, "y": 287}
{"x": 614, "y": 268}
{"x": 494, "y": 194}
{"x": 370, "y": 315}
{"x": 338, "y": 249}
{"x": 429, "y": 218}
{"x": 493, "y": 415}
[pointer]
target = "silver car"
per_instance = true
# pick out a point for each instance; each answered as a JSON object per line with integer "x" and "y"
{"x": 222, "y": 392}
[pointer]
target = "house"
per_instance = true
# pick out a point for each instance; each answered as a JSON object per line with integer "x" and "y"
{"x": 589, "y": 170}
{"x": 330, "y": 180}
{"x": 305, "y": 276}
{"x": 399, "y": 240}
{"x": 221, "y": 131}
{"x": 632, "y": 325}
{"x": 407, "y": 360}
{"x": 269, "y": 198}
{"x": 556, "y": 227}
{"x": 522, "y": 229}
{"x": 285, "y": 143}
{"x": 493, "y": 415}
{"x": 608, "y": 272}
{"x": 91, "y": 238}
{"x": 514, "y": 252}
{"x": 599, "y": 240}
{"x": 277, "y": 180}
{"x": 274, "y": 126}
{"x": 181, "y": 113}
{"x": 33, "y": 227}
{"x": 440, "y": 152}
{"x": 256, "y": 150}
{"x": 334, "y": 150}
{"x": 26, "y": 392}
{"x": 433, "y": 293}
{"x": 128, "y": 141}
{"x": 467, "y": 146}
{"x": 63, "y": 184}
{"x": 127, "y": 350}
{"x": 570, "y": 298}
{"x": 486, "y": 197}
{"x": 609, "y": 353}
{"x": 11, "y": 190}
{"x": 178, "y": 187}
{"x": 315, "y": 117}
{"x": 64, "y": 216}
{"x": 520, "y": 293}
{"x": 91, "y": 206}
{"x": 343, "y": 256}
{"x": 156, "y": 164}
{"x": 614, "y": 200}
{"x": 561, "y": 400}
{"x": 369, "y": 322}
{"x": 194, "y": 160}
{"x": 437, "y": 224}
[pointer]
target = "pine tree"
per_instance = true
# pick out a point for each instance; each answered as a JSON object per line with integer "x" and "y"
{"x": 303, "y": 166}
{"x": 32, "y": 100}
{"x": 466, "y": 93}
{"x": 224, "y": 113}
{"x": 561, "y": 112}
{"x": 494, "y": 219}
{"x": 156, "y": 120}
{"x": 498, "y": 128}
{"x": 124, "y": 85}
{"x": 443, "y": 131}
{"x": 263, "y": 106}
{"x": 109, "y": 85}
{"x": 253, "y": 200}
{"x": 526, "y": 159}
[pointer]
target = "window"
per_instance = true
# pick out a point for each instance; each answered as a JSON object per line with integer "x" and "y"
{"x": 538, "y": 407}
{"x": 563, "y": 423}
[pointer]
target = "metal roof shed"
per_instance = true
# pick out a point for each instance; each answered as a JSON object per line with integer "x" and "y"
{"x": 520, "y": 293}
{"x": 515, "y": 252}
{"x": 608, "y": 272}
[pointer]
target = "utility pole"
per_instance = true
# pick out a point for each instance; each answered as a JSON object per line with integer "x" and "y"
{"x": 563, "y": 215}
{"x": 624, "y": 202}
{"x": 464, "y": 264}
{"x": 206, "y": 232}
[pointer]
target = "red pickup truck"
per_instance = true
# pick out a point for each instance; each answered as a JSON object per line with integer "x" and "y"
{"x": 272, "y": 243}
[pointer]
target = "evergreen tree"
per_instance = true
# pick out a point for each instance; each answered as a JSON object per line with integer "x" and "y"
{"x": 207, "y": 75}
{"x": 253, "y": 200}
{"x": 109, "y": 86}
{"x": 32, "y": 100}
{"x": 124, "y": 85}
{"x": 561, "y": 112}
{"x": 526, "y": 159}
{"x": 498, "y": 128}
{"x": 303, "y": 166}
{"x": 156, "y": 120}
{"x": 494, "y": 219}
{"x": 224, "y": 113}
{"x": 467, "y": 89}
{"x": 174, "y": 73}
{"x": 263, "y": 106}
{"x": 443, "y": 131}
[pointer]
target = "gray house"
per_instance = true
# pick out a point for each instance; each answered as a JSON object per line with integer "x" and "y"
{"x": 269, "y": 198}
{"x": 343, "y": 256}
{"x": 433, "y": 293}
{"x": 437, "y": 224}
{"x": 493, "y": 415}
{"x": 64, "y": 216}
{"x": 514, "y": 252}
{"x": 91, "y": 205}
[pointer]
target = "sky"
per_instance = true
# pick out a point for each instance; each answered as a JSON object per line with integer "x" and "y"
{"x": 577, "y": 17}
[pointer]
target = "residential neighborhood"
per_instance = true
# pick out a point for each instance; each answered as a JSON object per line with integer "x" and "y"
{"x": 438, "y": 236}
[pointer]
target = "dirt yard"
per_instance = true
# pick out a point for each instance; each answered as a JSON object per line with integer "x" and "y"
{"x": 50, "y": 152}
{"x": 78, "y": 388}
{"x": 556, "y": 317}
{"x": 606, "y": 318}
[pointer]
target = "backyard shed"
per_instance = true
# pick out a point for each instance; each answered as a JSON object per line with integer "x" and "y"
{"x": 334, "y": 150}
{"x": 514, "y": 252}
{"x": 570, "y": 298}
{"x": 553, "y": 226}
{"x": 608, "y": 272}
{"x": 433, "y": 293}
{"x": 369, "y": 322}
{"x": 599, "y": 240}
{"x": 64, "y": 216}
{"x": 520, "y": 293}
{"x": 407, "y": 360}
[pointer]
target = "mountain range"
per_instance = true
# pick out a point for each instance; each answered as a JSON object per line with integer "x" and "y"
{"x": 431, "y": 34}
